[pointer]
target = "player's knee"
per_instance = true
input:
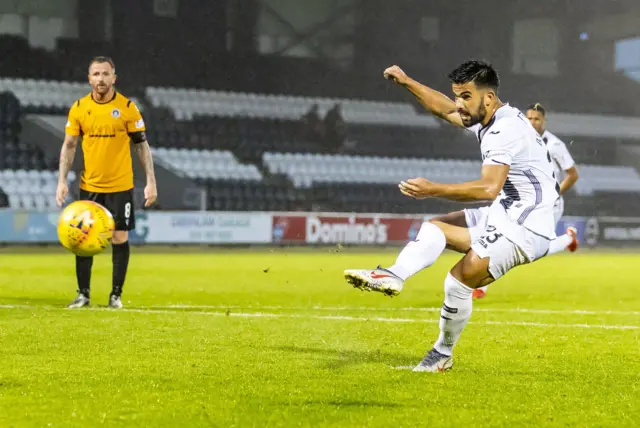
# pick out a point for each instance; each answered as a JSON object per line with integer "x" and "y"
{"x": 431, "y": 230}
{"x": 472, "y": 271}
{"x": 120, "y": 237}
{"x": 437, "y": 222}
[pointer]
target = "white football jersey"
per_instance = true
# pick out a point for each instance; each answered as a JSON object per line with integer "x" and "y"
{"x": 560, "y": 156}
{"x": 530, "y": 191}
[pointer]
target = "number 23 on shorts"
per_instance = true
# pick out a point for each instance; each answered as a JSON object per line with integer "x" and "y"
{"x": 491, "y": 236}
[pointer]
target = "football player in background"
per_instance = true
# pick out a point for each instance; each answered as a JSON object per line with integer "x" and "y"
{"x": 108, "y": 122}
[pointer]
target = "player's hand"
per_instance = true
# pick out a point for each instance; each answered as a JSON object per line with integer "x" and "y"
{"x": 418, "y": 188}
{"x": 150, "y": 194}
{"x": 61, "y": 193}
{"x": 396, "y": 74}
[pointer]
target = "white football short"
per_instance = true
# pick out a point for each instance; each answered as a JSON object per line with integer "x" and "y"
{"x": 558, "y": 209}
{"x": 504, "y": 254}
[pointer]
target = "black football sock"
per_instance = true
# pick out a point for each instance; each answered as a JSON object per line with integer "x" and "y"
{"x": 120, "y": 264}
{"x": 83, "y": 274}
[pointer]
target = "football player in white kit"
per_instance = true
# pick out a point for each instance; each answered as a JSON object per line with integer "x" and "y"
{"x": 565, "y": 172}
{"x": 515, "y": 229}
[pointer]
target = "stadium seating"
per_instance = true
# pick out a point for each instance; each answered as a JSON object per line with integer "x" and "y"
{"x": 32, "y": 189}
{"x": 243, "y": 146}
{"x": 307, "y": 169}
{"x": 211, "y": 164}
{"x": 607, "y": 178}
{"x": 44, "y": 96}
{"x": 375, "y": 198}
{"x": 25, "y": 181}
{"x": 242, "y": 195}
{"x": 47, "y": 96}
{"x": 186, "y": 103}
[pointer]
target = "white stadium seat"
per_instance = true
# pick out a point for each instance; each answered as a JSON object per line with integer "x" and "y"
{"x": 186, "y": 102}
{"x": 48, "y": 93}
{"x": 304, "y": 169}
{"x": 212, "y": 164}
{"x": 32, "y": 190}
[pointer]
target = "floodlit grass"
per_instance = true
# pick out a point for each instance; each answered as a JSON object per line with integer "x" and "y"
{"x": 242, "y": 338}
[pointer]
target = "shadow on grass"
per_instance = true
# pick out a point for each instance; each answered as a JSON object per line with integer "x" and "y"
{"x": 339, "y": 358}
{"x": 350, "y": 403}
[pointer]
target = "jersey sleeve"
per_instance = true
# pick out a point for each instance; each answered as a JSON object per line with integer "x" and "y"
{"x": 135, "y": 123}
{"x": 73, "y": 127}
{"x": 561, "y": 155}
{"x": 498, "y": 147}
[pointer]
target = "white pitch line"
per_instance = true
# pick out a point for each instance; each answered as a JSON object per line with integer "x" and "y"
{"x": 363, "y": 309}
{"x": 401, "y": 309}
{"x": 339, "y": 318}
{"x": 394, "y": 320}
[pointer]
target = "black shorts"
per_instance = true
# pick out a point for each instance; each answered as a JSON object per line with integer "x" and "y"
{"x": 120, "y": 204}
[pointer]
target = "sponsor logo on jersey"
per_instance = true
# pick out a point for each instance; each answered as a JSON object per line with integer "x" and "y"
{"x": 140, "y": 124}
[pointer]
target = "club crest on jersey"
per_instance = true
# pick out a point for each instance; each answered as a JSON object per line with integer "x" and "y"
{"x": 115, "y": 113}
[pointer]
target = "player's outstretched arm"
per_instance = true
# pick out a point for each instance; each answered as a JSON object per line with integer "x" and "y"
{"x": 67, "y": 154}
{"x": 570, "y": 178}
{"x": 146, "y": 160}
{"x": 486, "y": 188}
{"x": 436, "y": 102}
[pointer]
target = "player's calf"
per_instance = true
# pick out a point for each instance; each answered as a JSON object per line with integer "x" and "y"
{"x": 456, "y": 310}
{"x": 120, "y": 260}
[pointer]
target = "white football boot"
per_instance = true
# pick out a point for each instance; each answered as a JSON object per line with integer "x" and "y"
{"x": 115, "y": 302}
{"x": 434, "y": 362}
{"x": 79, "y": 302}
{"x": 379, "y": 279}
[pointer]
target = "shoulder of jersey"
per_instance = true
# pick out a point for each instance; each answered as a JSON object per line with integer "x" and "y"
{"x": 551, "y": 138}
{"x": 124, "y": 101}
{"x": 507, "y": 126}
{"x": 81, "y": 102}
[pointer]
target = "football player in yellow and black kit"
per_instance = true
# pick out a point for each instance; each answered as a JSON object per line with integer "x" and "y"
{"x": 107, "y": 122}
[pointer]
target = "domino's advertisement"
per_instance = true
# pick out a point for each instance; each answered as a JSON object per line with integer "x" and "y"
{"x": 291, "y": 228}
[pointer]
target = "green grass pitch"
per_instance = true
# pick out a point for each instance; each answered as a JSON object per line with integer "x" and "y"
{"x": 276, "y": 338}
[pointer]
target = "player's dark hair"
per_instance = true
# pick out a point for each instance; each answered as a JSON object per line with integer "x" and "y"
{"x": 538, "y": 107}
{"x": 102, "y": 60}
{"x": 479, "y": 72}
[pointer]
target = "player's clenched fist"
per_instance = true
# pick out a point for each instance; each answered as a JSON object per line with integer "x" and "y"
{"x": 396, "y": 74}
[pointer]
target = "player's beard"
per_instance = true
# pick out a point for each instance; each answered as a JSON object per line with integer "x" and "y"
{"x": 475, "y": 118}
{"x": 102, "y": 89}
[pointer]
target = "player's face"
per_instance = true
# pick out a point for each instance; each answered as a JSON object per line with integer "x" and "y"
{"x": 537, "y": 120}
{"x": 471, "y": 103}
{"x": 101, "y": 77}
